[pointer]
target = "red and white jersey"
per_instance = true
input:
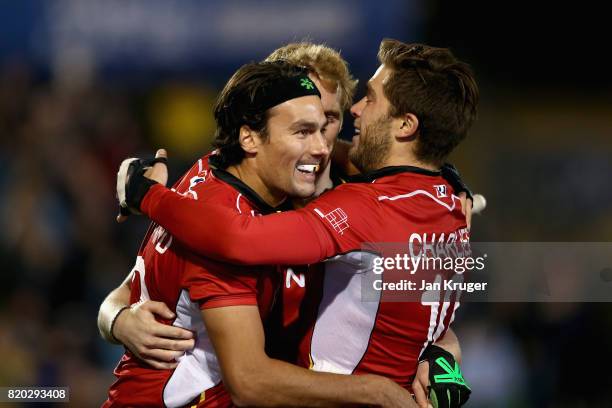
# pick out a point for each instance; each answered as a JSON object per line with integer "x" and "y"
{"x": 352, "y": 335}
{"x": 166, "y": 271}
{"x": 394, "y": 205}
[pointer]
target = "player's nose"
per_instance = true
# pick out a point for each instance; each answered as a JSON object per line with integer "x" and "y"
{"x": 357, "y": 108}
{"x": 318, "y": 145}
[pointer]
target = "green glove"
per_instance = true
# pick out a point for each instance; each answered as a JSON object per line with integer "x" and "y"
{"x": 448, "y": 388}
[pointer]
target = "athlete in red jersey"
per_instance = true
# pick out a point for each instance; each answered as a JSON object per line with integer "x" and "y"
{"x": 158, "y": 344}
{"x": 402, "y": 141}
{"x": 229, "y": 335}
{"x": 165, "y": 271}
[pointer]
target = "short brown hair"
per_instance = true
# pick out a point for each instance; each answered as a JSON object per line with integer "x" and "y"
{"x": 234, "y": 106}
{"x": 437, "y": 88}
{"x": 323, "y": 61}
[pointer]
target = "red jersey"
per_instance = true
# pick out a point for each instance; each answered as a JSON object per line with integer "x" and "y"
{"x": 166, "y": 271}
{"x": 395, "y": 204}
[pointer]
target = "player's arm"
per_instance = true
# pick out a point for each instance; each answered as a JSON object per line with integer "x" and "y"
{"x": 447, "y": 393}
{"x": 218, "y": 232}
{"x": 450, "y": 343}
{"x": 135, "y": 326}
{"x": 253, "y": 379}
{"x": 111, "y": 308}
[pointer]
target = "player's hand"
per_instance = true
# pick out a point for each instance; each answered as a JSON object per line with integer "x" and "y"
{"x": 467, "y": 203}
{"x": 134, "y": 179}
{"x": 155, "y": 343}
{"x": 420, "y": 385}
{"x": 394, "y": 396}
{"x": 452, "y": 176}
{"x": 444, "y": 382}
{"x": 159, "y": 171}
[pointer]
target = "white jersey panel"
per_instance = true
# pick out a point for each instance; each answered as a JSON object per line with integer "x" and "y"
{"x": 198, "y": 370}
{"x": 344, "y": 324}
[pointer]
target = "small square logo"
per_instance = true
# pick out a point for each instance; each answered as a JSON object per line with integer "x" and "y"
{"x": 338, "y": 220}
{"x": 440, "y": 190}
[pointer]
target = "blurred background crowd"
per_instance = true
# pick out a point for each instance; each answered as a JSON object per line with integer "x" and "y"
{"x": 84, "y": 84}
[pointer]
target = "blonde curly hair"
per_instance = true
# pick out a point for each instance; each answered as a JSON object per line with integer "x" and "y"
{"x": 323, "y": 61}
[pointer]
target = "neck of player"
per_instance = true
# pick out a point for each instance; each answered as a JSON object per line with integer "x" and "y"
{"x": 249, "y": 176}
{"x": 402, "y": 155}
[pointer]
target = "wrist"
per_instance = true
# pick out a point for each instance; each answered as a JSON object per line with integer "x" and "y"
{"x": 112, "y": 332}
{"x": 380, "y": 388}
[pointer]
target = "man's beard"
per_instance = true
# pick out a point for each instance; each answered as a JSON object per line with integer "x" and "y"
{"x": 374, "y": 146}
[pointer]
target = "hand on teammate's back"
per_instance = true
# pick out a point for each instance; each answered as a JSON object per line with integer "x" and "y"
{"x": 155, "y": 343}
{"x": 466, "y": 208}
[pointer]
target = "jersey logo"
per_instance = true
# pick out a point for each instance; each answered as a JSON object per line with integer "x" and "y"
{"x": 337, "y": 218}
{"x": 196, "y": 180}
{"x": 440, "y": 190}
{"x": 306, "y": 83}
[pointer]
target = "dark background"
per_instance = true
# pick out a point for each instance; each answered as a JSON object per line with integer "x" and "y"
{"x": 85, "y": 84}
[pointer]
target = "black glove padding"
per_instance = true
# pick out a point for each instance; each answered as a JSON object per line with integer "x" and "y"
{"x": 132, "y": 185}
{"x": 448, "y": 388}
{"x": 451, "y": 175}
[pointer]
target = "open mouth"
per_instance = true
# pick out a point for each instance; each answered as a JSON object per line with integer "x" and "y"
{"x": 308, "y": 168}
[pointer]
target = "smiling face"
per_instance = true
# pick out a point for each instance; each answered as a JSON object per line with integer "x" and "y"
{"x": 287, "y": 159}
{"x": 372, "y": 141}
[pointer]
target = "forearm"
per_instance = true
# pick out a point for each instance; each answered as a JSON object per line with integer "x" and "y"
{"x": 450, "y": 343}
{"x": 110, "y": 307}
{"x": 279, "y": 384}
{"x": 253, "y": 379}
{"x": 286, "y": 238}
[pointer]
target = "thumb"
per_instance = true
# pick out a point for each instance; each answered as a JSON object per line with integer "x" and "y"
{"x": 420, "y": 394}
{"x": 161, "y": 153}
{"x": 160, "y": 309}
{"x": 159, "y": 171}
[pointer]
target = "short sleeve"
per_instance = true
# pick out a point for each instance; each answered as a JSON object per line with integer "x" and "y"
{"x": 214, "y": 284}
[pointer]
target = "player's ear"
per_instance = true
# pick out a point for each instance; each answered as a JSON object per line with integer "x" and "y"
{"x": 248, "y": 139}
{"x": 408, "y": 126}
